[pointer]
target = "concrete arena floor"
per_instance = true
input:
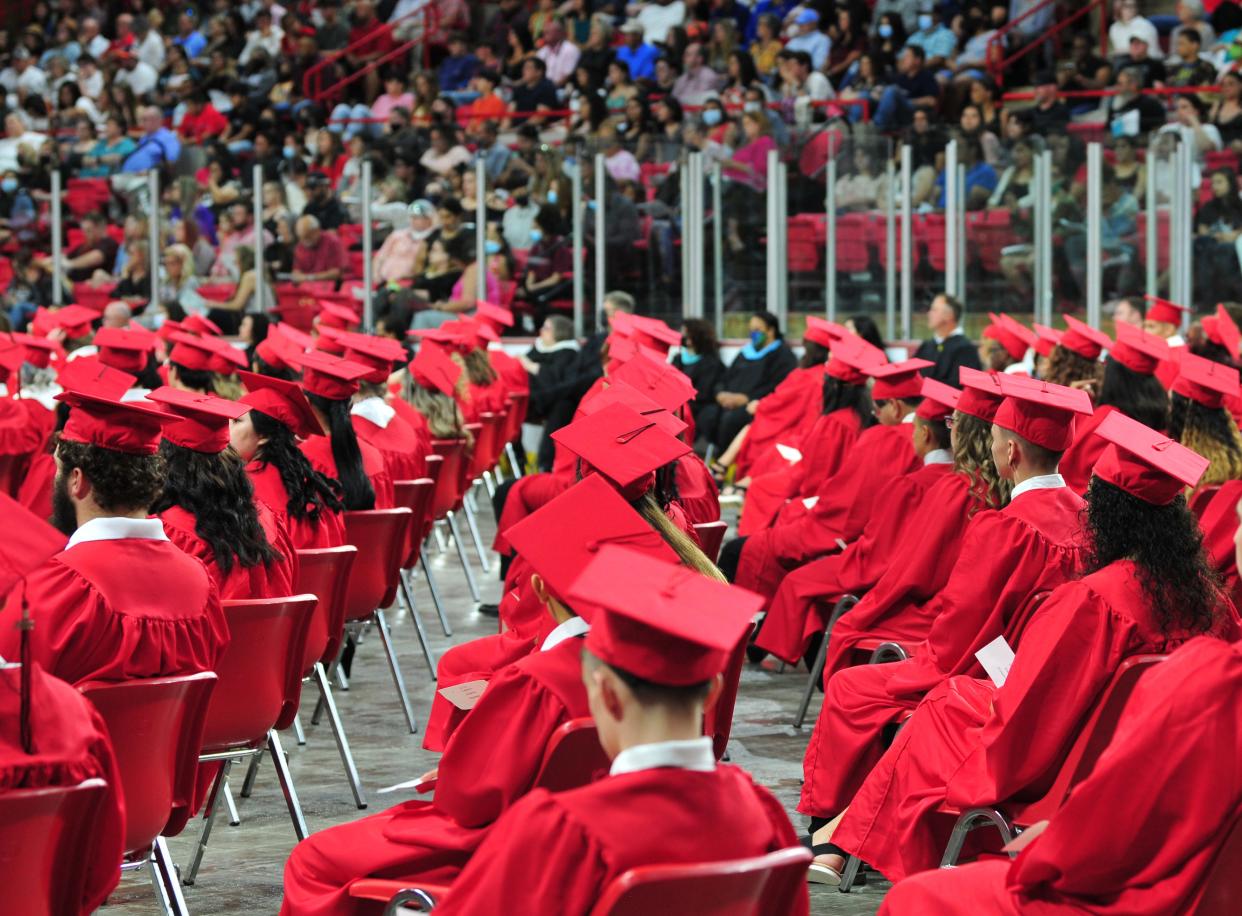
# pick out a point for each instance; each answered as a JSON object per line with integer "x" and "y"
{"x": 241, "y": 873}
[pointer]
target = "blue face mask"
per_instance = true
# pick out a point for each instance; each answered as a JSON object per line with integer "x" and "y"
{"x": 689, "y": 359}
{"x": 711, "y": 116}
{"x": 535, "y": 236}
{"x": 290, "y": 152}
{"x": 9, "y": 185}
{"x": 925, "y": 22}
{"x": 552, "y": 196}
{"x": 491, "y": 247}
{"x": 757, "y": 338}
{"x": 885, "y": 30}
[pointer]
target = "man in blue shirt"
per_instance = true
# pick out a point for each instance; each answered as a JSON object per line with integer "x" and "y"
{"x": 778, "y": 8}
{"x": 636, "y": 55}
{"x": 981, "y": 178}
{"x": 913, "y": 87}
{"x": 159, "y": 146}
{"x": 938, "y": 42}
{"x": 810, "y": 39}
{"x": 191, "y": 39}
{"x": 457, "y": 70}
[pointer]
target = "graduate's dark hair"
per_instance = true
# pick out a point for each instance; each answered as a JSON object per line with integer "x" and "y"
{"x": 356, "y": 486}
{"x": 263, "y": 367}
{"x": 1211, "y": 432}
{"x": 200, "y": 380}
{"x": 1201, "y": 345}
{"x": 770, "y": 321}
{"x": 216, "y": 490}
{"x": 120, "y": 481}
{"x": 149, "y": 376}
{"x": 866, "y": 328}
{"x": 941, "y": 434}
{"x": 1066, "y": 367}
{"x": 310, "y": 491}
{"x": 813, "y": 354}
{"x": 1138, "y": 396}
{"x": 1166, "y": 544}
{"x": 840, "y": 395}
{"x": 648, "y": 693}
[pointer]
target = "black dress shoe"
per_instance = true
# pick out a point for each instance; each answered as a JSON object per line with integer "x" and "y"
{"x": 489, "y": 610}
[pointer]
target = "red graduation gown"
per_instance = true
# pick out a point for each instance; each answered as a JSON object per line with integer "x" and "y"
{"x": 70, "y": 745}
{"x": 118, "y": 609}
{"x": 318, "y": 449}
{"x": 803, "y": 600}
{"x": 269, "y": 489}
{"x": 1084, "y": 451}
{"x": 35, "y": 491}
{"x": 1032, "y": 545}
{"x": 557, "y": 853}
{"x": 1219, "y": 522}
{"x": 488, "y": 398}
{"x": 1181, "y": 736}
{"x": 971, "y": 744}
{"x": 696, "y": 490}
{"x": 781, "y": 416}
{"x": 491, "y": 761}
{"x": 405, "y": 448}
{"x": 274, "y": 580}
{"x": 512, "y": 373}
{"x": 25, "y": 425}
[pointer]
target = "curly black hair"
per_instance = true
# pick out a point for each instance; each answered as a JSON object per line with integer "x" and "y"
{"x": 310, "y": 491}
{"x": 263, "y": 367}
{"x": 200, "y": 380}
{"x": 1140, "y": 397}
{"x": 120, "y": 482}
{"x": 217, "y": 492}
{"x": 358, "y": 492}
{"x": 1166, "y": 545}
{"x": 839, "y": 395}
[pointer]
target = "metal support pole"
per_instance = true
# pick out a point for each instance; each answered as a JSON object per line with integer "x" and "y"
{"x": 961, "y": 233}
{"x": 718, "y": 245}
{"x": 1042, "y": 240}
{"x": 1176, "y": 226}
{"x": 260, "y": 271}
{"x": 58, "y": 230}
{"x": 692, "y": 239}
{"x": 782, "y": 226}
{"x": 950, "y": 219}
{"x": 774, "y": 264}
{"x": 1094, "y": 273}
{"x": 1186, "y": 239}
{"x": 1045, "y": 240}
{"x": 1151, "y": 242}
{"x": 153, "y": 223}
{"x": 686, "y": 209}
{"x": 368, "y": 244}
{"x": 579, "y": 247}
{"x": 601, "y": 250}
{"x": 907, "y": 260}
{"x": 480, "y": 229}
{"x": 890, "y": 253}
{"x": 830, "y": 240}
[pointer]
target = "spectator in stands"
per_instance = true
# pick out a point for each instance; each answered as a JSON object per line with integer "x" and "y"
{"x": 96, "y": 250}
{"x": 926, "y": 142}
{"x": 1218, "y": 231}
{"x": 188, "y": 37}
{"x": 395, "y": 95}
{"x": 553, "y": 364}
{"x": 896, "y": 13}
{"x": 487, "y": 106}
{"x": 1129, "y": 24}
{"x": 800, "y": 79}
{"x": 444, "y": 155}
{"x": 178, "y": 282}
{"x": 226, "y": 266}
{"x": 322, "y": 202}
{"x": 949, "y": 348}
{"x": 970, "y": 125}
{"x": 1117, "y": 227}
{"x": 319, "y": 255}
{"x": 697, "y": 80}
{"x": 699, "y": 359}
{"x": 723, "y": 43}
{"x": 861, "y": 187}
{"x": 1085, "y": 70}
{"x": 1189, "y": 68}
{"x": 29, "y": 289}
{"x": 17, "y": 134}
{"x": 1139, "y": 58}
{"x": 1048, "y": 111}
{"x": 766, "y": 48}
{"x": 157, "y": 147}
{"x": 658, "y": 18}
{"x": 913, "y": 87}
{"x": 808, "y": 37}
{"x": 519, "y": 219}
{"x": 370, "y": 40}
{"x": 138, "y": 75}
{"x": 1130, "y": 173}
{"x": 550, "y": 264}
{"x": 620, "y": 162}
{"x": 1129, "y": 112}
{"x": 559, "y": 56}
{"x": 981, "y": 178}
{"x": 747, "y": 178}
{"x": 245, "y": 299}
{"x": 1190, "y": 16}
{"x": 937, "y": 40}
{"x": 23, "y": 78}
{"x": 1190, "y": 124}
{"x": 201, "y": 120}
{"x": 535, "y": 92}
{"x": 1226, "y": 113}
{"x": 635, "y": 53}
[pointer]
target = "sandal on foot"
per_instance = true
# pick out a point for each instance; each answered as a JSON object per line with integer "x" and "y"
{"x": 818, "y": 872}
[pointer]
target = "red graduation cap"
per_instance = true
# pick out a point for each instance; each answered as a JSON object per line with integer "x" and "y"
{"x": 376, "y": 353}
{"x": 435, "y": 370}
{"x": 40, "y": 350}
{"x": 1164, "y": 311}
{"x": 279, "y": 351}
{"x": 330, "y": 376}
{"x": 1145, "y": 463}
{"x": 444, "y": 335}
{"x": 190, "y": 352}
{"x": 299, "y": 337}
{"x": 623, "y": 349}
{"x": 654, "y": 333}
{"x": 660, "y": 621}
{"x": 332, "y": 315}
{"x": 851, "y": 356}
{"x": 1046, "y": 339}
{"x": 123, "y": 349}
{"x": 1083, "y": 339}
{"x": 166, "y": 330}
{"x": 565, "y": 534}
{"x": 75, "y": 320}
{"x": 621, "y": 323}
{"x": 621, "y": 393}
{"x": 281, "y": 400}
{"x": 200, "y": 325}
{"x": 12, "y": 356}
{"x": 19, "y": 556}
{"x": 1137, "y": 350}
{"x": 42, "y": 323}
{"x": 87, "y": 373}
{"x": 465, "y": 334}
{"x": 493, "y": 314}
{"x": 897, "y": 380}
{"x": 623, "y": 446}
{"x": 1011, "y": 334}
{"x": 103, "y": 420}
{"x": 939, "y": 400}
{"x": 480, "y": 331}
{"x": 823, "y": 332}
{"x": 981, "y": 393}
{"x": 201, "y": 421}
{"x": 329, "y": 341}
{"x": 1040, "y": 412}
{"x": 1205, "y": 381}
{"x": 1222, "y": 331}
{"x": 227, "y": 358}
{"x": 652, "y": 376}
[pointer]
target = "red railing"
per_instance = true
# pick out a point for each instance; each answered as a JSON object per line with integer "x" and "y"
{"x": 425, "y": 32}
{"x": 997, "y": 62}
{"x": 1159, "y": 91}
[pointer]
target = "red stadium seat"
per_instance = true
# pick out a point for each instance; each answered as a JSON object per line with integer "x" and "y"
{"x": 296, "y": 306}
{"x": 711, "y": 536}
{"x": 415, "y": 495}
{"x": 573, "y": 757}
{"x": 447, "y": 499}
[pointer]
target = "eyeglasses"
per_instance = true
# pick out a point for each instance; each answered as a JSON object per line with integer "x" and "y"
{"x": 948, "y": 421}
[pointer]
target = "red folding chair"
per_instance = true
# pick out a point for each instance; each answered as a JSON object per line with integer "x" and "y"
{"x": 574, "y": 757}
{"x": 447, "y": 500}
{"x": 518, "y": 402}
{"x": 1220, "y": 893}
{"x": 46, "y": 846}
{"x": 414, "y": 495}
{"x": 711, "y": 536}
{"x": 423, "y": 529}
{"x": 465, "y": 502}
{"x": 324, "y": 572}
{"x": 486, "y": 449}
{"x": 156, "y": 726}
{"x": 379, "y": 535}
{"x": 260, "y": 674}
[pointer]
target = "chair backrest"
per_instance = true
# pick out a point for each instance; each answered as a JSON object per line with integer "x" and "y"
{"x": 475, "y": 431}
{"x": 711, "y": 536}
{"x": 414, "y": 495}
{"x": 1222, "y": 890}
{"x": 518, "y": 402}
{"x": 573, "y": 757}
{"x": 46, "y": 843}
{"x": 485, "y": 445}
{"x": 324, "y": 573}
{"x": 260, "y": 671}
{"x": 449, "y": 478}
{"x": 156, "y": 725}
{"x": 379, "y": 535}
{"x": 435, "y": 464}
{"x": 762, "y": 886}
{"x": 718, "y": 720}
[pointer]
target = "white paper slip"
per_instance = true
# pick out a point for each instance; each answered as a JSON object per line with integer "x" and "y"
{"x": 810, "y": 501}
{"x": 409, "y": 784}
{"x": 789, "y": 453}
{"x": 996, "y": 658}
{"x": 464, "y": 696}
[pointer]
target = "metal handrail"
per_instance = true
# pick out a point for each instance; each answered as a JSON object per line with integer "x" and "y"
{"x": 997, "y": 62}
{"x": 313, "y": 77}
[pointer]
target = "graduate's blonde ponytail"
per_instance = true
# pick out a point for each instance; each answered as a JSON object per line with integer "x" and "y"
{"x": 687, "y": 551}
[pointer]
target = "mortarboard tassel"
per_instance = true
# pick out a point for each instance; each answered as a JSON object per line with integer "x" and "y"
{"x": 25, "y": 625}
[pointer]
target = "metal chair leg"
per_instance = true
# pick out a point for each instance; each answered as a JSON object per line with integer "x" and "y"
{"x": 461, "y": 555}
{"x": 298, "y": 731}
{"x": 395, "y": 667}
{"x": 407, "y": 595}
{"x": 968, "y": 821}
{"x": 169, "y": 882}
{"x": 251, "y": 772}
{"x": 157, "y": 884}
{"x": 286, "y": 784}
{"x": 435, "y": 593}
{"x": 473, "y": 525}
{"x": 441, "y": 544}
{"x": 338, "y": 732}
{"x": 514, "y": 464}
{"x": 341, "y": 679}
{"x": 490, "y": 482}
{"x": 850, "y": 874}
{"x": 230, "y": 805}
{"x": 209, "y": 820}
{"x": 817, "y": 672}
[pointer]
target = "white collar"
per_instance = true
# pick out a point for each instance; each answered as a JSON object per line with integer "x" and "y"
{"x": 954, "y": 333}
{"x": 375, "y": 410}
{"x": 574, "y": 626}
{"x": 540, "y": 347}
{"x": 44, "y": 394}
{"x": 908, "y": 418}
{"x": 1043, "y": 482}
{"x": 135, "y": 394}
{"x": 1176, "y": 341}
{"x": 118, "y": 528}
{"x": 694, "y": 754}
{"x": 938, "y": 456}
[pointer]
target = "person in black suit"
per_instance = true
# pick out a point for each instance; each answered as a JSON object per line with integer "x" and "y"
{"x": 949, "y": 348}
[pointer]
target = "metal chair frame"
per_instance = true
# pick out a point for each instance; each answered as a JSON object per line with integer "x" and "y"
{"x": 817, "y": 670}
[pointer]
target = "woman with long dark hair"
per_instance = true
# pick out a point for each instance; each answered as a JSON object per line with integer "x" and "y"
{"x": 330, "y": 383}
{"x": 266, "y": 438}
{"x": 208, "y": 504}
{"x": 1076, "y": 356}
{"x": 1148, "y": 589}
